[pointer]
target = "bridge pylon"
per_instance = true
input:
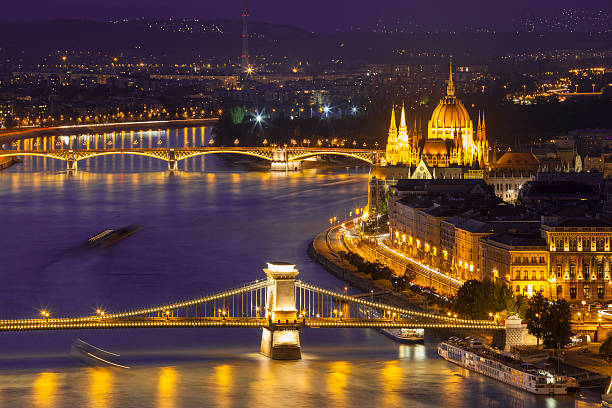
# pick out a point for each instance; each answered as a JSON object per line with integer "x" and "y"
{"x": 281, "y": 339}
{"x": 71, "y": 162}
{"x": 280, "y": 161}
{"x": 172, "y": 162}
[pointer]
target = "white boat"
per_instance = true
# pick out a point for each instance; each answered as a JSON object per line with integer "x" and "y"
{"x": 470, "y": 353}
{"x": 92, "y": 355}
{"x": 405, "y": 336}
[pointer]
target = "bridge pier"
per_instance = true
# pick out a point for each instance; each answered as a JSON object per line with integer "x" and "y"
{"x": 281, "y": 342}
{"x": 517, "y": 334}
{"x": 71, "y": 162}
{"x": 280, "y": 161}
{"x": 172, "y": 162}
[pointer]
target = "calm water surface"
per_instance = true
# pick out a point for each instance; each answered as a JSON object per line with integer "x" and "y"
{"x": 207, "y": 228}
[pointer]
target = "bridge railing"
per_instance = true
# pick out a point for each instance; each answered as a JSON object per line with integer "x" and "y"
{"x": 316, "y": 302}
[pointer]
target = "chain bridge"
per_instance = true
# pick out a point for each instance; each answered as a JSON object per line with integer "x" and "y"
{"x": 280, "y": 305}
{"x": 284, "y": 158}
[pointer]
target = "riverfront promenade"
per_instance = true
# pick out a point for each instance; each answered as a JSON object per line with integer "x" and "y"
{"x": 335, "y": 240}
{"x": 28, "y": 133}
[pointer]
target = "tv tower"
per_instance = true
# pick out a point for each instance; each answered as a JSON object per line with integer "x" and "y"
{"x": 245, "y": 37}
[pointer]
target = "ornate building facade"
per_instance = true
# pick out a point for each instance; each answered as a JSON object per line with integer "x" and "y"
{"x": 452, "y": 149}
{"x": 452, "y": 138}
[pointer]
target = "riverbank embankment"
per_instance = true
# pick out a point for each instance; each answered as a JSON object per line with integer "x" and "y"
{"x": 9, "y": 137}
{"x": 320, "y": 251}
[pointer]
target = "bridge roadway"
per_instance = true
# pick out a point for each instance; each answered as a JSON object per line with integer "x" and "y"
{"x": 339, "y": 240}
{"x": 280, "y": 306}
{"x": 232, "y": 322}
{"x": 173, "y": 155}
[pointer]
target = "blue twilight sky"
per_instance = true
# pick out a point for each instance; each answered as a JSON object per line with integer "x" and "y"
{"x": 317, "y": 15}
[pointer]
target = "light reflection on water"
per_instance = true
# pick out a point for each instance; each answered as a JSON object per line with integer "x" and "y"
{"x": 44, "y": 388}
{"x": 166, "y": 387}
{"x": 100, "y": 387}
{"x": 203, "y": 232}
{"x": 248, "y": 379}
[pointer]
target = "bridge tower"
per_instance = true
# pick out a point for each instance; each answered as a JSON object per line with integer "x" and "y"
{"x": 281, "y": 339}
{"x": 71, "y": 162}
{"x": 172, "y": 162}
{"x": 280, "y": 161}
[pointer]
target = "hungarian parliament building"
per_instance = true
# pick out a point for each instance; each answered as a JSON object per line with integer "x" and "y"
{"x": 452, "y": 139}
{"x": 454, "y": 148}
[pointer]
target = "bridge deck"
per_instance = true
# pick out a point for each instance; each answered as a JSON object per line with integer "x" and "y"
{"x": 229, "y": 322}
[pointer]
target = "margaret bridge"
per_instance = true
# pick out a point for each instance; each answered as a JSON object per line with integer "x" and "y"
{"x": 283, "y": 158}
{"x": 280, "y": 305}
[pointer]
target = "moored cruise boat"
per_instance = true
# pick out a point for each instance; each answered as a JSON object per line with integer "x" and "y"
{"x": 405, "y": 336}
{"x": 470, "y": 353}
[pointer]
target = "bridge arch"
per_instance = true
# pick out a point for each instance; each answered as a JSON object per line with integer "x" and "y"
{"x": 59, "y": 156}
{"x": 186, "y": 155}
{"x": 79, "y": 157}
{"x": 336, "y": 153}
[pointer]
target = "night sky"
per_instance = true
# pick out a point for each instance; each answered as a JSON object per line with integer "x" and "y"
{"x": 316, "y": 15}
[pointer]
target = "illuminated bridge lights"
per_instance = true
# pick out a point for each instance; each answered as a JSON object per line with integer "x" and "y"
{"x": 178, "y": 154}
{"x": 141, "y": 318}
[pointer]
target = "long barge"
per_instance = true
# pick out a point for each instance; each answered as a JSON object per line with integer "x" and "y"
{"x": 470, "y": 353}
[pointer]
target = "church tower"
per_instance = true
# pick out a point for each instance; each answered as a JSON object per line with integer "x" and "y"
{"x": 403, "y": 144}
{"x": 392, "y": 153}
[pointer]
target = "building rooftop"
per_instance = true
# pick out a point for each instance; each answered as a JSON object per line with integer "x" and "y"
{"x": 517, "y": 161}
{"x": 583, "y": 222}
{"x": 519, "y": 239}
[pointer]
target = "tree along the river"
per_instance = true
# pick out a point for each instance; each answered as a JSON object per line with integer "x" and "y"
{"x": 556, "y": 324}
{"x": 535, "y": 314}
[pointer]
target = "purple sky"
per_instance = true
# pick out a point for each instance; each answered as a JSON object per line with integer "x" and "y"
{"x": 318, "y": 15}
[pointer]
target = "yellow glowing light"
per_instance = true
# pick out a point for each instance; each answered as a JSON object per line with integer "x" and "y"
{"x": 44, "y": 390}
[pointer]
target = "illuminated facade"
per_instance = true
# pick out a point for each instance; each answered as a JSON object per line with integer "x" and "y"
{"x": 457, "y": 228}
{"x": 452, "y": 138}
{"x": 580, "y": 258}
{"x": 520, "y": 260}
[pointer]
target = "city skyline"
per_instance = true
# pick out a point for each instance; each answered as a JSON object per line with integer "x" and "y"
{"x": 317, "y": 16}
{"x": 414, "y": 199}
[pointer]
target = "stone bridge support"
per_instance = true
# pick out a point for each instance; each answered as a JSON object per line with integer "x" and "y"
{"x": 278, "y": 341}
{"x": 71, "y": 162}
{"x": 280, "y": 161}
{"x": 517, "y": 334}
{"x": 172, "y": 162}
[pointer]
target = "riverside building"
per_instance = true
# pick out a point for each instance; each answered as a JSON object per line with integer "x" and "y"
{"x": 462, "y": 229}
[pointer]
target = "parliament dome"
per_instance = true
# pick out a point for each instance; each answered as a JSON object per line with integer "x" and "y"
{"x": 450, "y": 114}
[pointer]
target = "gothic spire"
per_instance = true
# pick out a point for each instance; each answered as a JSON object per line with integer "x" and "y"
{"x": 450, "y": 89}
{"x": 403, "y": 120}
{"x": 402, "y": 133}
{"x": 392, "y": 127}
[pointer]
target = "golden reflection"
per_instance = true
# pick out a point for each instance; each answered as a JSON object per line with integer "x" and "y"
{"x": 166, "y": 388}
{"x": 223, "y": 382}
{"x": 100, "y": 387}
{"x": 391, "y": 378}
{"x": 337, "y": 381}
{"x": 44, "y": 390}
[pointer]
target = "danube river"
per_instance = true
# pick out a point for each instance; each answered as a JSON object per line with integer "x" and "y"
{"x": 210, "y": 227}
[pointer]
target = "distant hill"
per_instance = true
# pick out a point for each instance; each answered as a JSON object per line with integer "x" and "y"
{"x": 177, "y": 39}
